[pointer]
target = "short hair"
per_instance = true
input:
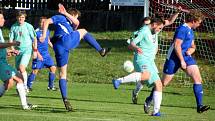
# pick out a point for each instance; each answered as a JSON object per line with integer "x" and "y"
{"x": 146, "y": 19}
{"x": 74, "y": 11}
{"x": 43, "y": 17}
{"x": 1, "y": 12}
{"x": 158, "y": 20}
{"x": 194, "y": 15}
{"x": 20, "y": 13}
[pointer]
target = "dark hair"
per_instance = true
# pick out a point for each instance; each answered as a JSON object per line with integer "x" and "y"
{"x": 146, "y": 19}
{"x": 194, "y": 15}
{"x": 1, "y": 12}
{"x": 158, "y": 20}
{"x": 21, "y": 12}
{"x": 73, "y": 11}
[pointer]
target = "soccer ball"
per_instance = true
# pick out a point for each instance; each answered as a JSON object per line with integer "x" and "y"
{"x": 128, "y": 66}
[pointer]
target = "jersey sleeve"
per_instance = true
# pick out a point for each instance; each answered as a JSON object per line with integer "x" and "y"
{"x": 57, "y": 18}
{"x": 139, "y": 36}
{"x": 11, "y": 34}
{"x": 181, "y": 34}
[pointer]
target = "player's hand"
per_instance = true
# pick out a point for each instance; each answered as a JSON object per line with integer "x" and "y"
{"x": 61, "y": 9}
{"x": 179, "y": 9}
{"x": 40, "y": 57}
{"x": 188, "y": 53}
{"x": 34, "y": 54}
{"x": 183, "y": 65}
{"x": 139, "y": 50}
{"x": 15, "y": 52}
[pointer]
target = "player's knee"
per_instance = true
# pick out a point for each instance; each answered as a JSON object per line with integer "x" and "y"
{"x": 53, "y": 69}
{"x": 35, "y": 72}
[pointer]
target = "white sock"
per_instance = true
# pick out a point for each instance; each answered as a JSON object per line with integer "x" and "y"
{"x": 139, "y": 87}
{"x": 157, "y": 97}
{"x": 25, "y": 77}
{"x": 133, "y": 77}
{"x": 22, "y": 94}
{"x": 2, "y": 90}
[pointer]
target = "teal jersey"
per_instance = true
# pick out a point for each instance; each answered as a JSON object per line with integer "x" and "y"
{"x": 147, "y": 42}
{"x": 25, "y": 34}
{"x": 3, "y": 52}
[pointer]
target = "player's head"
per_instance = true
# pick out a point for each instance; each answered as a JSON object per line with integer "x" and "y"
{"x": 20, "y": 16}
{"x": 1, "y": 18}
{"x": 146, "y": 20}
{"x": 157, "y": 25}
{"x": 74, "y": 12}
{"x": 195, "y": 17}
{"x": 42, "y": 21}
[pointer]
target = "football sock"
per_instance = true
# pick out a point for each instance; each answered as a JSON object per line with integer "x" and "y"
{"x": 138, "y": 88}
{"x": 31, "y": 78}
{"x": 133, "y": 77}
{"x": 198, "y": 91}
{"x": 22, "y": 94}
{"x": 92, "y": 41}
{"x": 51, "y": 79}
{"x": 150, "y": 97}
{"x": 2, "y": 90}
{"x": 63, "y": 88}
{"x": 25, "y": 77}
{"x": 157, "y": 97}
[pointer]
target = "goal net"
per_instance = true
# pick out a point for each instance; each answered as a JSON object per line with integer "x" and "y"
{"x": 204, "y": 37}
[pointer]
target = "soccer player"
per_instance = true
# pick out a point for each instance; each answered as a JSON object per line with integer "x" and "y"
{"x": 46, "y": 60}
{"x": 146, "y": 21}
{"x": 24, "y": 33}
{"x": 145, "y": 46}
{"x": 7, "y": 73}
{"x": 180, "y": 56}
{"x": 66, "y": 38}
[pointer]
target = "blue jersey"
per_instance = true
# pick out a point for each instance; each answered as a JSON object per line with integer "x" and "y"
{"x": 62, "y": 25}
{"x": 42, "y": 46}
{"x": 184, "y": 33}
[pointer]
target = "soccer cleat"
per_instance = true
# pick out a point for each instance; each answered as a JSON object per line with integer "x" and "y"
{"x": 116, "y": 83}
{"x": 53, "y": 88}
{"x": 203, "y": 108}
{"x": 147, "y": 106}
{"x": 103, "y": 52}
{"x": 67, "y": 105}
{"x": 156, "y": 114}
{"x": 134, "y": 97}
{"x": 29, "y": 106}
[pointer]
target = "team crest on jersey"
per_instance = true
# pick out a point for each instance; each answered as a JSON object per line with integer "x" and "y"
{"x": 144, "y": 66}
{"x": 7, "y": 72}
{"x": 20, "y": 33}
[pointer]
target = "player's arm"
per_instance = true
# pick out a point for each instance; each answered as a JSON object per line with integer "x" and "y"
{"x": 192, "y": 49}
{"x": 136, "y": 40}
{"x": 49, "y": 42}
{"x": 173, "y": 17}
{"x": 5, "y": 45}
{"x": 45, "y": 28}
{"x": 72, "y": 19}
{"x": 178, "y": 50}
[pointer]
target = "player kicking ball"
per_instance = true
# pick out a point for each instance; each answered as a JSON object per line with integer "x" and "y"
{"x": 43, "y": 60}
{"x": 67, "y": 37}
{"x": 145, "y": 46}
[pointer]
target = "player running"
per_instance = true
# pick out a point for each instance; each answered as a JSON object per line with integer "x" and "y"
{"x": 44, "y": 60}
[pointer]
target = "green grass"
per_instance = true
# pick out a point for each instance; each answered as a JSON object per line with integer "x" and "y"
{"x": 100, "y": 102}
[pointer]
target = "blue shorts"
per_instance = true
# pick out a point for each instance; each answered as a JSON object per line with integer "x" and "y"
{"x": 63, "y": 45}
{"x": 172, "y": 65}
{"x": 46, "y": 63}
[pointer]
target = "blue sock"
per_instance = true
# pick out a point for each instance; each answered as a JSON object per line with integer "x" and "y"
{"x": 31, "y": 78}
{"x": 51, "y": 80}
{"x": 63, "y": 88}
{"x": 150, "y": 97}
{"x": 198, "y": 91}
{"x": 91, "y": 41}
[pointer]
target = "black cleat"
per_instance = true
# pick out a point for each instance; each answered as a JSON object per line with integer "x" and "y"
{"x": 203, "y": 108}
{"x": 104, "y": 51}
{"x": 67, "y": 105}
{"x": 134, "y": 97}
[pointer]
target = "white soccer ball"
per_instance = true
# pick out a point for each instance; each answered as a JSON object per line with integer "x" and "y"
{"x": 128, "y": 66}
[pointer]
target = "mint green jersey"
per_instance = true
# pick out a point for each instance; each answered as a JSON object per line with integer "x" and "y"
{"x": 147, "y": 42}
{"x": 25, "y": 34}
{"x": 3, "y": 52}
